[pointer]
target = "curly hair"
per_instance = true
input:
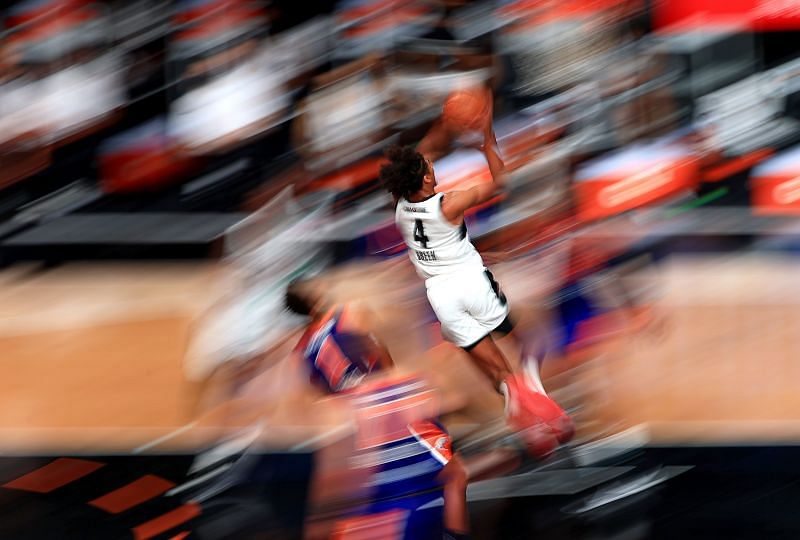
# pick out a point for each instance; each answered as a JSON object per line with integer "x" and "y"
{"x": 404, "y": 172}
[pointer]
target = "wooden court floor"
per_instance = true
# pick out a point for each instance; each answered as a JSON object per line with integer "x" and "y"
{"x": 93, "y": 354}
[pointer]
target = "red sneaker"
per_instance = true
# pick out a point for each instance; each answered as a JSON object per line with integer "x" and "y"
{"x": 537, "y": 418}
{"x": 555, "y": 415}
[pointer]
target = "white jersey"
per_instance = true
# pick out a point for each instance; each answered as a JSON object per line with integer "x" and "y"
{"x": 435, "y": 246}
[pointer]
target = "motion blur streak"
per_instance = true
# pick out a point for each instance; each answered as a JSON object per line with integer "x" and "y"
{"x": 211, "y": 327}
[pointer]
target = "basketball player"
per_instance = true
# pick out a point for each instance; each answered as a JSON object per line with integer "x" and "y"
{"x": 463, "y": 293}
{"x": 408, "y": 455}
{"x": 338, "y": 346}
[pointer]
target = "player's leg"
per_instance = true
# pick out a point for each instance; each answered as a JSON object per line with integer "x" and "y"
{"x": 488, "y": 358}
{"x": 526, "y": 402}
{"x": 518, "y": 334}
{"x": 453, "y": 303}
{"x": 470, "y": 309}
{"x": 489, "y": 315}
{"x": 529, "y": 345}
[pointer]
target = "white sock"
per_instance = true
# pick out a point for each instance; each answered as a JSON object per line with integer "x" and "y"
{"x": 530, "y": 368}
{"x": 504, "y": 390}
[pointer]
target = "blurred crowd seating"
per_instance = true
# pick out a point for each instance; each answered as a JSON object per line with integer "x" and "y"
{"x": 218, "y": 105}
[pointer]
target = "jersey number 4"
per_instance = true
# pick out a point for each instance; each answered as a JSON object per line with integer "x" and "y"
{"x": 419, "y": 233}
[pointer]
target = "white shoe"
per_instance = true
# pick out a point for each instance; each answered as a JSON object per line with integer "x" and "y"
{"x": 530, "y": 369}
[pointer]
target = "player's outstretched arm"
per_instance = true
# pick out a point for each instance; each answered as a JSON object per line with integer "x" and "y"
{"x": 492, "y": 152}
{"x": 457, "y": 202}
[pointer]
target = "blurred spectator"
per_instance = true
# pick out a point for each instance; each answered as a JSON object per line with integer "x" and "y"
{"x": 62, "y": 86}
{"x": 345, "y": 115}
{"x": 553, "y": 45}
{"x": 230, "y": 86}
{"x": 241, "y": 99}
{"x": 265, "y": 253}
{"x": 61, "y": 58}
{"x": 424, "y": 72}
{"x": 377, "y": 26}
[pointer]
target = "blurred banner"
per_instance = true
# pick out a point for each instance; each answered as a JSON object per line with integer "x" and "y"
{"x": 762, "y": 15}
{"x": 365, "y": 27}
{"x": 635, "y": 177}
{"x": 142, "y": 158}
{"x": 775, "y": 184}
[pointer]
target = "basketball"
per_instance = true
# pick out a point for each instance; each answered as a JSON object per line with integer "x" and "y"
{"x": 466, "y": 110}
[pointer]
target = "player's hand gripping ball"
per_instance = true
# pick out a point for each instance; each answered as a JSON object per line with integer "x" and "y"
{"x": 468, "y": 109}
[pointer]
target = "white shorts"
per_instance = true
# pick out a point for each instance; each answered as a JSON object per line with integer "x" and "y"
{"x": 468, "y": 304}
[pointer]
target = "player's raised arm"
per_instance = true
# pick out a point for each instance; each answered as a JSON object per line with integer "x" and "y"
{"x": 457, "y": 202}
{"x": 492, "y": 152}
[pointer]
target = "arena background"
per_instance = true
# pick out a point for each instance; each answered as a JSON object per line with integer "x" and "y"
{"x": 166, "y": 168}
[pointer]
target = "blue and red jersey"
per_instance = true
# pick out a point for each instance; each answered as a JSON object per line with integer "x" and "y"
{"x": 337, "y": 358}
{"x": 405, "y": 452}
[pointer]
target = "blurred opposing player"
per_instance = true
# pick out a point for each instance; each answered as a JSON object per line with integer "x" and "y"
{"x": 338, "y": 347}
{"x": 407, "y": 455}
{"x": 411, "y": 462}
{"x": 248, "y": 328}
{"x": 463, "y": 293}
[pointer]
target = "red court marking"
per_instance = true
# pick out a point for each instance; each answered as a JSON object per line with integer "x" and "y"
{"x": 163, "y": 523}
{"x": 54, "y": 475}
{"x": 180, "y": 535}
{"x": 137, "y": 492}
